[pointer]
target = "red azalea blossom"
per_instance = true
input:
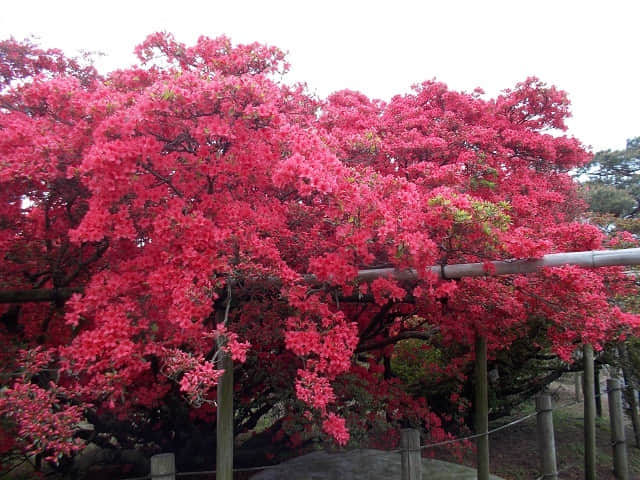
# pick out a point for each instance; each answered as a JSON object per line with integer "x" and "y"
{"x": 196, "y": 202}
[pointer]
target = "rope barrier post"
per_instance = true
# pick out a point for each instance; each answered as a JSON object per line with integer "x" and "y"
{"x": 163, "y": 466}
{"x": 482, "y": 408}
{"x": 411, "y": 458}
{"x": 620, "y": 466}
{"x": 546, "y": 440}
{"x": 589, "y": 414}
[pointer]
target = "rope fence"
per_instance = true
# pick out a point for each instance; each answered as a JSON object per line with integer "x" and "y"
{"x": 418, "y": 449}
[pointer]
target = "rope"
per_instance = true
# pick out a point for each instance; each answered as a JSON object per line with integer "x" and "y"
{"x": 477, "y": 435}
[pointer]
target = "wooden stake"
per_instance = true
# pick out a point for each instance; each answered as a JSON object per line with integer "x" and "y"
{"x": 411, "y": 458}
{"x": 163, "y": 467}
{"x": 482, "y": 408}
{"x": 589, "y": 415}
{"x": 616, "y": 418}
{"x": 224, "y": 420}
{"x": 629, "y": 392}
{"x": 546, "y": 440}
{"x": 577, "y": 378}
{"x": 596, "y": 387}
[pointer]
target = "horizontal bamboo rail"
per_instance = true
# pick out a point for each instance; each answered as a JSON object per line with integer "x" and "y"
{"x": 593, "y": 258}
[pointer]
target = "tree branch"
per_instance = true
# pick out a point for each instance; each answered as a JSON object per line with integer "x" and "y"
{"x": 421, "y": 335}
{"x": 38, "y": 295}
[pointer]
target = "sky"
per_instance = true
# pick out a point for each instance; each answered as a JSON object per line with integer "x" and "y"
{"x": 587, "y": 48}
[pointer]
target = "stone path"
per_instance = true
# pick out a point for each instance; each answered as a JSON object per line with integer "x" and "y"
{"x": 361, "y": 465}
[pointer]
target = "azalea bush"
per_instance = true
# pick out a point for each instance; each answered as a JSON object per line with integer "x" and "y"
{"x": 197, "y": 201}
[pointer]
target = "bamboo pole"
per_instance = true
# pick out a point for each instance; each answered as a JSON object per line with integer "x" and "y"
{"x": 482, "y": 408}
{"x": 546, "y": 440}
{"x": 589, "y": 415}
{"x": 593, "y": 259}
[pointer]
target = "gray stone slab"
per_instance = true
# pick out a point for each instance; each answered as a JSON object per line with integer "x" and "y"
{"x": 365, "y": 464}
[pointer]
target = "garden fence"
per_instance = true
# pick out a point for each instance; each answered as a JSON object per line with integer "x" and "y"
{"x": 410, "y": 450}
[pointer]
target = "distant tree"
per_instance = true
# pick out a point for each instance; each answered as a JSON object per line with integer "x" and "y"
{"x": 613, "y": 185}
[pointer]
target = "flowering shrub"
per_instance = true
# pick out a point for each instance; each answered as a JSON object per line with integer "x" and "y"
{"x": 197, "y": 183}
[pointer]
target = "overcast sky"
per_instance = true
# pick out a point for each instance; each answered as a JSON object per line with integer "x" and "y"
{"x": 588, "y": 48}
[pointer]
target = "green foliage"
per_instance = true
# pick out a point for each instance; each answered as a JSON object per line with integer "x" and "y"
{"x": 409, "y": 359}
{"x": 613, "y": 181}
{"x": 609, "y": 199}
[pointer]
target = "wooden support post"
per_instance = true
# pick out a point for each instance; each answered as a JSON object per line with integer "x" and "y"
{"x": 224, "y": 420}
{"x": 620, "y": 466}
{"x": 482, "y": 408}
{"x": 589, "y": 415}
{"x": 546, "y": 440}
{"x": 411, "y": 455}
{"x": 629, "y": 392}
{"x": 577, "y": 379}
{"x": 163, "y": 467}
{"x": 596, "y": 389}
{"x": 632, "y": 399}
{"x": 224, "y": 429}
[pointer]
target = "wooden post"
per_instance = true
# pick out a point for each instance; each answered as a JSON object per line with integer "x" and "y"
{"x": 578, "y": 386}
{"x": 163, "y": 467}
{"x": 482, "y": 408}
{"x": 596, "y": 389}
{"x": 629, "y": 393}
{"x": 411, "y": 457}
{"x": 620, "y": 467}
{"x": 224, "y": 417}
{"x": 546, "y": 440}
{"x": 589, "y": 415}
{"x": 630, "y": 396}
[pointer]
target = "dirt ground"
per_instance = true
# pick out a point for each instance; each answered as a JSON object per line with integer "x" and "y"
{"x": 513, "y": 451}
